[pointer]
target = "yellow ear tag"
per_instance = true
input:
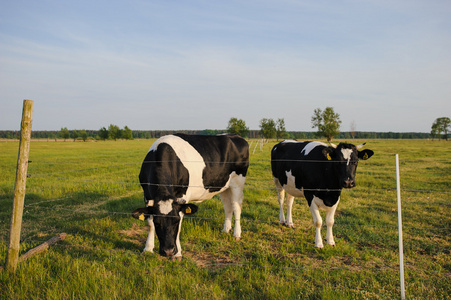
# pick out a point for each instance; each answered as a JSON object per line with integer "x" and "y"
{"x": 328, "y": 157}
{"x": 141, "y": 217}
{"x": 188, "y": 210}
{"x": 365, "y": 156}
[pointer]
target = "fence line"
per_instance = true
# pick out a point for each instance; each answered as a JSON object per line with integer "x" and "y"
{"x": 78, "y": 170}
{"x": 222, "y": 219}
{"x": 219, "y": 219}
{"x": 245, "y": 187}
{"x": 48, "y": 175}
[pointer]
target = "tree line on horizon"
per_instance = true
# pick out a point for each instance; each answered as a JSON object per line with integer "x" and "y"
{"x": 93, "y": 135}
{"x": 150, "y": 134}
{"x": 327, "y": 122}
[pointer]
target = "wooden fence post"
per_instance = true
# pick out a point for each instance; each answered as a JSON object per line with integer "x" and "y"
{"x": 19, "y": 188}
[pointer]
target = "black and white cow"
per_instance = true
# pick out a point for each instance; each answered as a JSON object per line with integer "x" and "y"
{"x": 180, "y": 169}
{"x": 317, "y": 172}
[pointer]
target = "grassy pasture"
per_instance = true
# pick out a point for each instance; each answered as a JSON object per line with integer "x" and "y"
{"x": 89, "y": 189}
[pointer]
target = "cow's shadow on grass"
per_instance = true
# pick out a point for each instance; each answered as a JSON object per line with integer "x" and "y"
{"x": 92, "y": 221}
{"x": 107, "y": 223}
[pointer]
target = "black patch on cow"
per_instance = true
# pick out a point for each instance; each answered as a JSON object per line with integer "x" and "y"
{"x": 163, "y": 176}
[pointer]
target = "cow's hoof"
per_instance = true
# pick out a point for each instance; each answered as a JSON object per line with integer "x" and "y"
{"x": 291, "y": 226}
{"x": 332, "y": 243}
{"x": 237, "y": 238}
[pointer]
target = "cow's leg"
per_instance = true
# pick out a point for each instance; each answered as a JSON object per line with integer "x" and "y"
{"x": 177, "y": 241}
{"x": 237, "y": 186}
{"x": 318, "y": 222}
{"x": 281, "y": 198}
{"x": 226, "y": 198}
{"x": 237, "y": 200}
{"x": 290, "y": 200}
{"x": 232, "y": 200}
{"x": 330, "y": 223}
{"x": 150, "y": 243}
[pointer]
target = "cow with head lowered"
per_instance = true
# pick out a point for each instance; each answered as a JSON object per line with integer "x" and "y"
{"x": 180, "y": 170}
{"x": 318, "y": 172}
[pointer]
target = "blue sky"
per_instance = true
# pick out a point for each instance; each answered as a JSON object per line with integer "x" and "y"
{"x": 149, "y": 65}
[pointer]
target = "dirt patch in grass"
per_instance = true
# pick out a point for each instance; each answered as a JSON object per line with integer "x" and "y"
{"x": 135, "y": 235}
{"x": 206, "y": 260}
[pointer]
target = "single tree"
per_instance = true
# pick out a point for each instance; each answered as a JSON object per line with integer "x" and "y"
{"x": 84, "y": 135}
{"x": 435, "y": 130}
{"x": 237, "y": 126}
{"x": 103, "y": 133}
{"x": 74, "y": 134}
{"x": 280, "y": 129}
{"x": 441, "y": 125}
{"x": 114, "y": 132}
{"x": 127, "y": 133}
{"x": 267, "y": 128}
{"x": 327, "y": 121}
{"x": 64, "y": 133}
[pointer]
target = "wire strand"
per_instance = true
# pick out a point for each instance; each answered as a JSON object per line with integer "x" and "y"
{"x": 245, "y": 187}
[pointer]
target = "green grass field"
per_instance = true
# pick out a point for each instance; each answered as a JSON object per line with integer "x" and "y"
{"x": 89, "y": 189}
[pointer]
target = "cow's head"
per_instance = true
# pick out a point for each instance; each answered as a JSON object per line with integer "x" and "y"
{"x": 166, "y": 216}
{"x": 345, "y": 158}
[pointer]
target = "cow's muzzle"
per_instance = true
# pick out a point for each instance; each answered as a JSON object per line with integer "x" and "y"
{"x": 168, "y": 252}
{"x": 349, "y": 183}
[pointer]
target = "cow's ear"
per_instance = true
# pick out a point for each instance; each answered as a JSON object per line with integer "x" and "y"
{"x": 189, "y": 209}
{"x": 140, "y": 213}
{"x": 328, "y": 152}
{"x": 365, "y": 154}
{"x": 143, "y": 213}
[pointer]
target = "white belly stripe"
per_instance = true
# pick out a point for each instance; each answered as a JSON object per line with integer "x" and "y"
{"x": 290, "y": 187}
{"x": 194, "y": 163}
